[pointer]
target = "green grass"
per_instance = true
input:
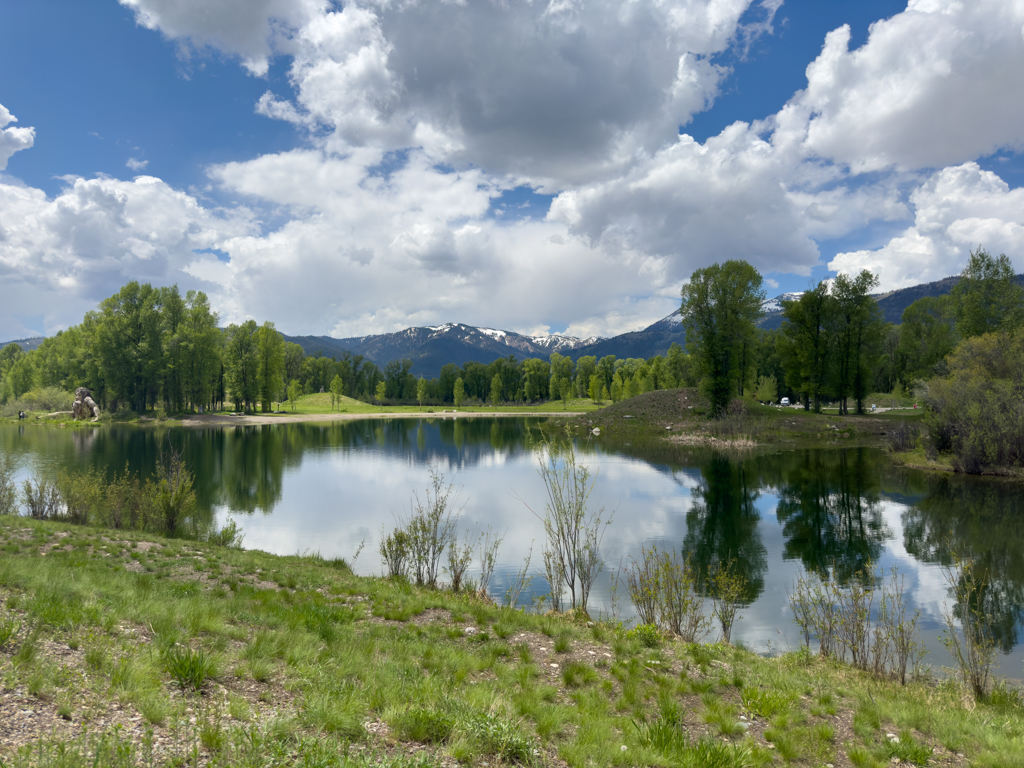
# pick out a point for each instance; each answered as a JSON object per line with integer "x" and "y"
{"x": 308, "y": 675}
{"x": 320, "y": 403}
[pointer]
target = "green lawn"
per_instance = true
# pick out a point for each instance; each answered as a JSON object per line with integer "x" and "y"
{"x": 321, "y": 403}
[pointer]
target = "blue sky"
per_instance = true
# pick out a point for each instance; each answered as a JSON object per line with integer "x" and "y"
{"x": 359, "y": 168}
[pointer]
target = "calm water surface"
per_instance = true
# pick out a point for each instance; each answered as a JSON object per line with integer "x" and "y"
{"x": 328, "y": 487}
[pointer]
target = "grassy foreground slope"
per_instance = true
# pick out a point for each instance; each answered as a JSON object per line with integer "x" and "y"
{"x": 128, "y": 650}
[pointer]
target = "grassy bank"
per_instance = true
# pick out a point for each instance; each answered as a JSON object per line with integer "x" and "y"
{"x": 307, "y": 405}
{"x": 681, "y": 415}
{"x": 128, "y": 650}
{"x": 321, "y": 403}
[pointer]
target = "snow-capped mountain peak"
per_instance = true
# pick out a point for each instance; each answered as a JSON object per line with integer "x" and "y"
{"x": 775, "y": 305}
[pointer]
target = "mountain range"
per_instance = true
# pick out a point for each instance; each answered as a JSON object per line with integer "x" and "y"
{"x": 431, "y": 347}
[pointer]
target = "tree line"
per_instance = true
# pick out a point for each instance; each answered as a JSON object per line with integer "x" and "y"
{"x": 147, "y": 347}
{"x": 834, "y": 345}
{"x": 150, "y": 347}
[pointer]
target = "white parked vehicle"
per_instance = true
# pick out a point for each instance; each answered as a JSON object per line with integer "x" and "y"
{"x": 784, "y": 401}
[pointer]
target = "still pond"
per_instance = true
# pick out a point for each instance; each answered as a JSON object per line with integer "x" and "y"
{"x": 327, "y": 487}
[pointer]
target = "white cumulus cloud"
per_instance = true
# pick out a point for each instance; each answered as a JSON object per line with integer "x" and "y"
{"x": 956, "y": 209}
{"x": 13, "y": 139}
{"x": 938, "y": 84}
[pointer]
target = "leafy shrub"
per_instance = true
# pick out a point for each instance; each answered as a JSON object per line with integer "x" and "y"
{"x": 8, "y": 490}
{"x": 902, "y": 437}
{"x": 662, "y": 587}
{"x": 647, "y": 634}
{"x": 977, "y": 410}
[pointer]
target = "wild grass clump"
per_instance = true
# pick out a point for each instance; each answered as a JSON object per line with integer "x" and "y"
{"x": 189, "y": 667}
{"x": 669, "y": 740}
{"x": 428, "y": 725}
{"x": 8, "y": 630}
{"x": 494, "y": 735}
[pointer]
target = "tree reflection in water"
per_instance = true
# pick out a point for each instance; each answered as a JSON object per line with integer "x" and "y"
{"x": 981, "y": 519}
{"x": 721, "y": 524}
{"x": 830, "y": 512}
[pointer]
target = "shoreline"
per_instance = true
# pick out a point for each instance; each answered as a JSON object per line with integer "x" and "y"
{"x": 222, "y": 420}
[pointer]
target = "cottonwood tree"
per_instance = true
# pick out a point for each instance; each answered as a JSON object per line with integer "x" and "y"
{"x": 721, "y": 304}
{"x": 987, "y": 297}
{"x": 857, "y": 333}
{"x": 459, "y": 393}
{"x": 242, "y": 362}
{"x": 270, "y": 362}
{"x": 927, "y": 334}
{"x": 804, "y": 343}
{"x": 496, "y": 390}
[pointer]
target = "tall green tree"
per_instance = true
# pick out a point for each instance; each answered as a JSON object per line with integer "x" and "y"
{"x": 536, "y": 379}
{"x": 562, "y": 367}
{"x": 858, "y": 329}
{"x": 130, "y": 345}
{"x": 337, "y": 390}
{"x": 496, "y": 390}
{"x": 270, "y": 371}
{"x": 987, "y": 298}
{"x": 421, "y": 391}
{"x": 242, "y": 363}
{"x": 294, "y": 392}
{"x": 804, "y": 346}
{"x": 459, "y": 392}
{"x": 721, "y": 304}
{"x": 927, "y": 335}
{"x": 172, "y": 316}
{"x": 200, "y": 350}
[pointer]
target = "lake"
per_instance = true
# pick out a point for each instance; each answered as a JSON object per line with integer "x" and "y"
{"x": 327, "y": 487}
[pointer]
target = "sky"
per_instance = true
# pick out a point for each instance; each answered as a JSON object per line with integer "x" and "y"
{"x": 540, "y": 166}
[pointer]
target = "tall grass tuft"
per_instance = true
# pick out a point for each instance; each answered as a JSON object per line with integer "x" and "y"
{"x": 189, "y": 668}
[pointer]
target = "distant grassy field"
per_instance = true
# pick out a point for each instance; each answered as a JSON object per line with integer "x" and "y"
{"x": 321, "y": 403}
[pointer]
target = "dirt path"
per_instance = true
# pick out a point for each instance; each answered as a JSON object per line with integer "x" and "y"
{"x": 220, "y": 419}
